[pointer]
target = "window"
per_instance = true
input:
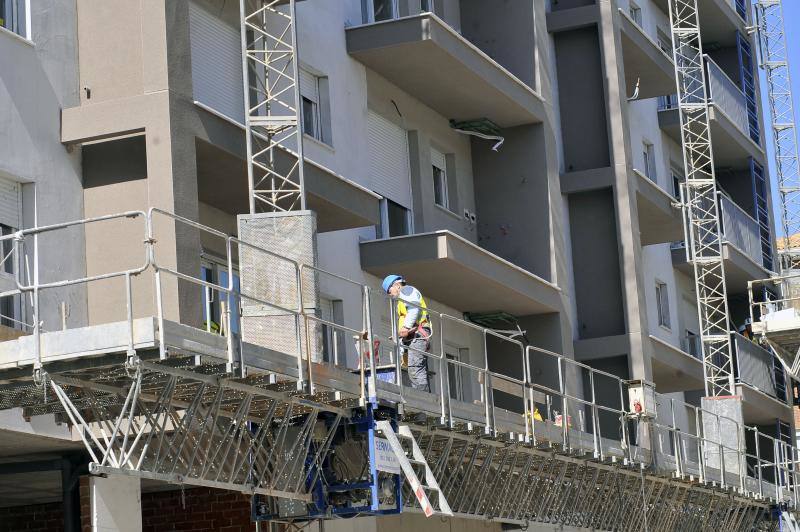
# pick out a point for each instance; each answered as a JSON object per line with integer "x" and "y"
{"x": 636, "y": 13}
{"x": 6, "y": 248}
{"x": 395, "y": 220}
{"x": 426, "y": 6}
{"x": 692, "y": 344}
{"x": 664, "y": 42}
{"x": 454, "y": 375}
{"x": 333, "y": 339}
{"x": 315, "y": 108}
{"x": 382, "y": 10}
{"x": 662, "y": 304}
{"x": 217, "y": 273}
{"x": 668, "y": 102}
{"x": 14, "y": 16}
{"x": 439, "y": 164}
{"x": 677, "y": 179}
{"x": 649, "y": 155}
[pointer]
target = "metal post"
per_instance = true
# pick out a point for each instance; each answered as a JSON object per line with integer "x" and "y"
{"x": 129, "y": 314}
{"x": 299, "y": 324}
{"x": 373, "y": 383}
{"x": 486, "y": 406}
{"x": 444, "y": 380}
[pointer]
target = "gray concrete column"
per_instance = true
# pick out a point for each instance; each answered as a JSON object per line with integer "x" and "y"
{"x": 116, "y": 503}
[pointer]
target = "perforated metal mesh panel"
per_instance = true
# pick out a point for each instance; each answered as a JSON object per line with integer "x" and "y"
{"x": 271, "y": 285}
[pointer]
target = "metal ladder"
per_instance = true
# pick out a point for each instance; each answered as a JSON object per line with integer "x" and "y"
{"x": 788, "y": 522}
{"x": 411, "y": 460}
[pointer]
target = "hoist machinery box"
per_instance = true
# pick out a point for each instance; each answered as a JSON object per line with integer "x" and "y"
{"x": 278, "y": 280}
{"x": 642, "y": 398}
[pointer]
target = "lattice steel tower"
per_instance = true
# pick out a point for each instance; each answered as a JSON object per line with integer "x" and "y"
{"x": 272, "y": 110}
{"x": 704, "y": 241}
{"x": 775, "y": 62}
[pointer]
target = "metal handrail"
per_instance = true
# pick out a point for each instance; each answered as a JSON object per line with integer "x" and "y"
{"x": 585, "y": 377}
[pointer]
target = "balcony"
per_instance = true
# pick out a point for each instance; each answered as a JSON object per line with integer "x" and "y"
{"x": 740, "y": 229}
{"x": 741, "y": 248}
{"x": 759, "y": 382}
{"x": 425, "y": 57}
{"x": 730, "y": 131}
{"x": 644, "y": 61}
{"x": 659, "y": 217}
{"x": 719, "y": 19}
{"x": 677, "y": 370}
{"x": 458, "y": 273}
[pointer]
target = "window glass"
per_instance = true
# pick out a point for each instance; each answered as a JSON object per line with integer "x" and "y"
{"x": 649, "y": 154}
{"x": 677, "y": 179}
{"x": 315, "y": 107}
{"x": 6, "y": 249}
{"x": 310, "y": 118}
{"x": 662, "y": 303}
{"x": 382, "y": 10}
{"x": 397, "y": 216}
{"x": 10, "y": 312}
{"x": 454, "y": 376}
{"x": 636, "y": 13}
{"x": 13, "y": 16}
{"x": 439, "y": 187}
{"x": 213, "y": 272}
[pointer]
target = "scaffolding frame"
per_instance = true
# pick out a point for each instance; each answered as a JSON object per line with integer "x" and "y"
{"x": 701, "y": 210}
{"x": 175, "y": 410}
{"x": 774, "y": 59}
{"x": 272, "y": 99}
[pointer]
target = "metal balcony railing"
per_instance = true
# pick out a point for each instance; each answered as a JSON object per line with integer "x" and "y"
{"x": 726, "y": 96}
{"x": 740, "y": 229}
{"x": 756, "y": 367}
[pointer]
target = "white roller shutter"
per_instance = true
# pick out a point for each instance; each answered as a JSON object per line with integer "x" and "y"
{"x": 9, "y": 203}
{"x": 438, "y": 160}
{"x": 216, "y": 63}
{"x": 308, "y": 86}
{"x": 388, "y": 156}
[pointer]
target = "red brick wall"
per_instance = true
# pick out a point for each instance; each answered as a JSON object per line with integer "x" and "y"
{"x": 205, "y": 510}
{"x": 35, "y": 517}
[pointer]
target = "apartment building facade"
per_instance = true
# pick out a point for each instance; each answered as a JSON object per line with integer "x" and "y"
{"x": 570, "y": 226}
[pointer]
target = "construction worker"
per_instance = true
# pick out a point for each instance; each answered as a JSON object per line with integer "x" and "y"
{"x": 746, "y": 330}
{"x": 413, "y": 328}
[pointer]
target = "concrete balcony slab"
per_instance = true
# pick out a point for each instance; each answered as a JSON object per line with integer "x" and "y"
{"x": 458, "y": 273}
{"x": 428, "y": 59}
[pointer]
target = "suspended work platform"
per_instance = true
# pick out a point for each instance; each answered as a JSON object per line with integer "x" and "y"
{"x": 514, "y": 433}
{"x": 775, "y": 317}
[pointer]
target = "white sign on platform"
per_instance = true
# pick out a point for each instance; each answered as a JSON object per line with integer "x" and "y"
{"x": 385, "y": 459}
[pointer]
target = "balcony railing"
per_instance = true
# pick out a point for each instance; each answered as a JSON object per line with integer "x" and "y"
{"x": 739, "y": 229}
{"x": 723, "y": 93}
{"x": 727, "y": 96}
{"x": 756, "y": 367}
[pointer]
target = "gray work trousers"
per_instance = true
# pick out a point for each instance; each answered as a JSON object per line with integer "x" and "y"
{"x": 417, "y": 362}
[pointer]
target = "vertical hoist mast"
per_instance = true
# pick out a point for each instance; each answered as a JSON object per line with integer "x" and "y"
{"x": 775, "y": 62}
{"x": 701, "y": 211}
{"x": 272, "y": 109}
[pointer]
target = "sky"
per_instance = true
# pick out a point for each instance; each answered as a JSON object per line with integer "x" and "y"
{"x": 791, "y": 18}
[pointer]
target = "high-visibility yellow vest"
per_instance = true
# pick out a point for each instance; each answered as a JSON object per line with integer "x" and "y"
{"x": 409, "y": 294}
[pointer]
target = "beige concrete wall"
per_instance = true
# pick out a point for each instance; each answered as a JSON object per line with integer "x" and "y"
{"x": 434, "y": 130}
{"x": 134, "y": 58}
{"x": 110, "y": 48}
